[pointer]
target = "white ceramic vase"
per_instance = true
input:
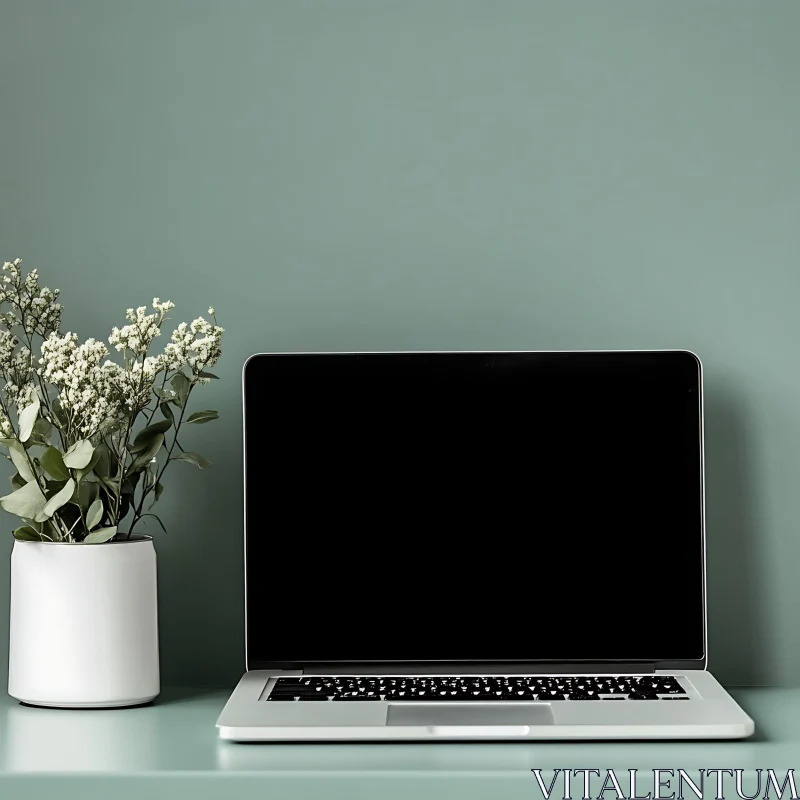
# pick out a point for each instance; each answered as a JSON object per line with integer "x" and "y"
{"x": 84, "y": 624}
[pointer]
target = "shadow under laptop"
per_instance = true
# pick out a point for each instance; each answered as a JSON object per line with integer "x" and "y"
{"x": 735, "y": 573}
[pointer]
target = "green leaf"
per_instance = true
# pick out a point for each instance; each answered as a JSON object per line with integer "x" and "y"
{"x": 26, "y": 502}
{"x": 79, "y": 455}
{"x": 203, "y": 416}
{"x": 45, "y": 530}
{"x": 19, "y": 457}
{"x": 149, "y": 476}
{"x": 17, "y": 481}
{"x": 124, "y": 506}
{"x": 58, "y": 413}
{"x": 80, "y": 474}
{"x": 109, "y": 486}
{"x": 27, "y": 534}
{"x": 157, "y": 492}
{"x": 27, "y": 417}
{"x": 41, "y": 433}
{"x": 100, "y": 535}
{"x": 130, "y": 482}
{"x": 165, "y": 395}
{"x": 204, "y": 374}
{"x": 157, "y": 520}
{"x": 42, "y": 427}
{"x": 167, "y": 412}
{"x": 87, "y": 494}
{"x": 53, "y": 464}
{"x": 102, "y": 467}
{"x": 148, "y": 454}
{"x": 193, "y": 458}
{"x": 180, "y": 383}
{"x": 54, "y": 486}
{"x": 56, "y": 501}
{"x": 94, "y": 514}
{"x": 144, "y": 437}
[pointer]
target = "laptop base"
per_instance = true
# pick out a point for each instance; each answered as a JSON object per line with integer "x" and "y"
{"x": 709, "y": 713}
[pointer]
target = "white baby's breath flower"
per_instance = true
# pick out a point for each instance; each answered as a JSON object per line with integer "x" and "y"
{"x": 211, "y": 310}
{"x": 7, "y": 344}
{"x": 35, "y": 310}
{"x": 144, "y": 328}
{"x": 89, "y": 389}
{"x": 197, "y": 345}
{"x": 162, "y": 307}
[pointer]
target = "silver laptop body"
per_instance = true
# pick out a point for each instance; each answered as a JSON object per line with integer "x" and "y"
{"x": 475, "y": 546}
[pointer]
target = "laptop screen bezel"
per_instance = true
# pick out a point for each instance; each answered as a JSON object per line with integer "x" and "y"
{"x": 251, "y": 646}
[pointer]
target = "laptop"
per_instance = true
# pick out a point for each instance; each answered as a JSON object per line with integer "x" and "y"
{"x": 475, "y": 546}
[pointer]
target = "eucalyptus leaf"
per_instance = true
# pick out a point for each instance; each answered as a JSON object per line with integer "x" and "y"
{"x": 144, "y": 437}
{"x": 27, "y": 418}
{"x": 180, "y": 383}
{"x": 204, "y": 374}
{"x": 193, "y": 458}
{"x": 94, "y": 514}
{"x": 53, "y": 464}
{"x": 165, "y": 395}
{"x": 56, "y": 501}
{"x": 79, "y": 455}
{"x": 87, "y": 494}
{"x": 53, "y": 486}
{"x": 109, "y": 486}
{"x": 19, "y": 457}
{"x": 80, "y": 474}
{"x": 157, "y": 492}
{"x": 131, "y": 482}
{"x": 59, "y": 415}
{"x": 27, "y": 534}
{"x": 124, "y": 506}
{"x": 167, "y": 412}
{"x": 100, "y": 535}
{"x": 42, "y": 427}
{"x": 200, "y": 417}
{"x": 102, "y": 467}
{"x": 26, "y": 502}
{"x": 149, "y": 477}
{"x": 148, "y": 454}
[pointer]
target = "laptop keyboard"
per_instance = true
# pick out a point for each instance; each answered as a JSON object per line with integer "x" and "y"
{"x": 480, "y": 688}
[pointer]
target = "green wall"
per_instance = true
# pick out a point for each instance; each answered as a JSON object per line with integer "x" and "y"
{"x": 426, "y": 174}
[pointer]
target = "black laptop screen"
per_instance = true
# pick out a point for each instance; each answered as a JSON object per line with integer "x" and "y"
{"x": 474, "y": 506}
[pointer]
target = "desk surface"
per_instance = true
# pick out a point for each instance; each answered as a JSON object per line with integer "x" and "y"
{"x": 153, "y": 748}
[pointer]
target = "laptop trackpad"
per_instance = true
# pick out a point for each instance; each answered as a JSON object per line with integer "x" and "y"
{"x": 473, "y": 714}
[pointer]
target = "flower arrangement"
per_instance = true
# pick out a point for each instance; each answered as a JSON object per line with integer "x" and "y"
{"x": 90, "y": 438}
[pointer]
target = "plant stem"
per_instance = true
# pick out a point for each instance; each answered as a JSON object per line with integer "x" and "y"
{"x": 137, "y": 515}
{"x": 158, "y": 399}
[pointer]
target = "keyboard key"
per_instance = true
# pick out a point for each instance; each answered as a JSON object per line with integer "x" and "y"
{"x": 357, "y": 698}
{"x": 477, "y": 688}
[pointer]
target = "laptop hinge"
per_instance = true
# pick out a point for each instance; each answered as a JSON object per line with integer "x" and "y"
{"x": 473, "y": 668}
